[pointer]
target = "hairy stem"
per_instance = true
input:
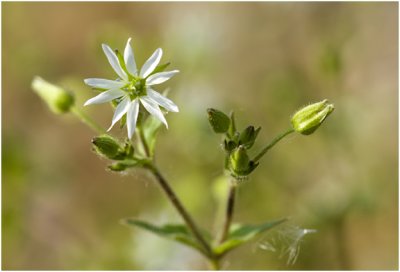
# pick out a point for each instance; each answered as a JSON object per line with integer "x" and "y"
{"x": 181, "y": 210}
{"x": 271, "y": 144}
{"x": 87, "y": 120}
{"x": 229, "y": 211}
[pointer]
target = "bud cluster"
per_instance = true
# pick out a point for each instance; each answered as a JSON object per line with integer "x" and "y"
{"x": 236, "y": 144}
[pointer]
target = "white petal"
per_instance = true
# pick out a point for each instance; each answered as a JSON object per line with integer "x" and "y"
{"x": 151, "y": 63}
{"x": 160, "y": 77}
{"x": 105, "y": 97}
{"x": 130, "y": 59}
{"x": 153, "y": 109}
{"x": 131, "y": 117}
{"x": 104, "y": 83}
{"x": 120, "y": 110}
{"x": 113, "y": 60}
{"x": 162, "y": 100}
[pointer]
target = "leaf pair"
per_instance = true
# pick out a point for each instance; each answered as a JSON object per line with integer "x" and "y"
{"x": 238, "y": 234}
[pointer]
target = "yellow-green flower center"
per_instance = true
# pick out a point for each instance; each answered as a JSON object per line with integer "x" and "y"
{"x": 136, "y": 88}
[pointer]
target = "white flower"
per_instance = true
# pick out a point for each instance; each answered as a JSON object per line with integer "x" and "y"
{"x": 133, "y": 87}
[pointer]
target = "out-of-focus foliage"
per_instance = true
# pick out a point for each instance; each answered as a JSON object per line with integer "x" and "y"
{"x": 60, "y": 208}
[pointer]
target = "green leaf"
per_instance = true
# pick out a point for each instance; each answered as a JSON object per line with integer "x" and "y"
{"x": 240, "y": 234}
{"x": 176, "y": 232}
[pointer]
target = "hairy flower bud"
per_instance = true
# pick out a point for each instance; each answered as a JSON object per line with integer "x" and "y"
{"x": 240, "y": 164}
{"x": 106, "y": 146}
{"x": 58, "y": 99}
{"x": 309, "y": 118}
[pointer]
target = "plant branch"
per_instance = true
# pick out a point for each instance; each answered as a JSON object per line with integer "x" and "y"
{"x": 87, "y": 120}
{"x": 229, "y": 210}
{"x": 181, "y": 210}
{"x": 271, "y": 144}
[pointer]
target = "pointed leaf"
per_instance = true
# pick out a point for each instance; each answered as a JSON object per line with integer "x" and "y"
{"x": 177, "y": 232}
{"x": 241, "y": 234}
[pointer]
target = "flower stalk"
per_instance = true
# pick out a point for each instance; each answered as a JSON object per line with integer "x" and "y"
{"x": 181, "y": 209}
{"x": 84, "y": 118}
{"x": 229, "y": 210}
{"x": 271, "y": 144}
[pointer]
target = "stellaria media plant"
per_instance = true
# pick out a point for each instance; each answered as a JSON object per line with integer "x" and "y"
{"x": 140, "y": 107}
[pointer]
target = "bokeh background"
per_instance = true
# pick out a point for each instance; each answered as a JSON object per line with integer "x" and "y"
{"x": 61, "y": 209}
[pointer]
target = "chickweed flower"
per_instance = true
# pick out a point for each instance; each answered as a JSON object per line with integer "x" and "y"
{"x": 132, "y": 86}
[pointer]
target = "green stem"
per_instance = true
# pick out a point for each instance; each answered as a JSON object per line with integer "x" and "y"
{"x": 181, "y": 210}
{"x": 214, "y": 264}
{"x": 229, "y": 210}
{"x": 143, "y": 142}
{"x": 271, "y": 144}
{"x": 87, "y": 120}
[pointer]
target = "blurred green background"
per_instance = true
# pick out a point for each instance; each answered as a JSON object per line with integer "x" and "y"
{"x": 60, "y": 208}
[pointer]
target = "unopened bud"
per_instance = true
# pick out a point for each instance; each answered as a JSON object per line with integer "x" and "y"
{"x": 248, "y": 136}
{"x": 240, "y": 164}
{"x": 58, "y": 99}
{"x": 309, "y": 118}
{"x": 219, "y": 121}
{"x": 106, "y": 146}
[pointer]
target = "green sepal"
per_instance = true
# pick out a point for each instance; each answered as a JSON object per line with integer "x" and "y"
{"x": 159, "y": 68}
{"x": 177, "y": 232}
{"x": 248, "y": 136}
{"x": 129, "y": 149}
{"x": 239, "y": 163}
{"x": 107, "y": 146}
{"x": 122, "y": 62}
{"x": 219, "y": 121}
{"x": 240, "y": 234}
{"x": 125, "y": 164}
{"x": 122, "y": 121}
{"x": 150, "y": 127}
{"x": 232, "y": 133}
{"x": 239, "y": 160}
{"x": 229, "y": 145}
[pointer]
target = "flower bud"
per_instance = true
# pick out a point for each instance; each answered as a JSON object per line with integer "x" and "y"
{"x": 219, "y": 121}
{"x": 240, "y": 164}
{"x": 309, "y": 118}
{"x": 229, "y": 145}
{"x": 106, "y": 146}
{"x": 248, "y": 136}
{"x": 58, "y": 99}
